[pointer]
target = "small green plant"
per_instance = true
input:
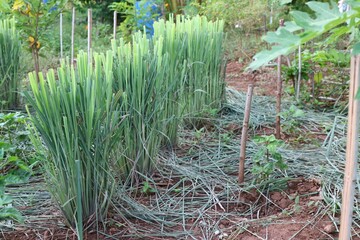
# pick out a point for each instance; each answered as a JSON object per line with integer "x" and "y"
{"x": 290, "y": 119}
{"x": 199, "y": 133}
{"x": 147, "y": 189}
{"x": 17, "y": 158}
{"x": 268, "y": 158}
{"x": 17, "y": 154}
{"x": 7, "y": 211}
{"x": 226, "y": 137}
{"x": 291, "y": 73}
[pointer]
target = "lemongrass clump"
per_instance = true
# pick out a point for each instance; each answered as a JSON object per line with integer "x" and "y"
{"x": 205, "y": 85}
{"x": 9, "y": 64}
{"x": 77, "y": 116}
{"x": 196, "y": 45}
{"x": 174, "y": 45}
{"x": 140, "y": 68}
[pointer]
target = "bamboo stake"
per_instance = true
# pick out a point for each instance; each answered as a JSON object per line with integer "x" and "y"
{"x": 278, "y": 100}
{"x": 244, "y": 134}
{"x": 72, "y": 35}
{"x": 352, "y": 145}
{"x": 115, "y": 23}
{"x": 61, "y": 36}
{"x": 299, "y": 76}
{"x": 89, "y": 32}
{"x": 279, "y": 94}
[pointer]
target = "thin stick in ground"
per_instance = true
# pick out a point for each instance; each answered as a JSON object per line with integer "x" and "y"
{"x": 244, "y": 134}
{"x": 89, "y": 32}
{"x": 61, "y": 36}
{"x": 72, "y": 35}
{"x": 279, "y": 94}
{"x": 351, "y": 152}
{"x": 115, "y": 22}
{"x": 299, "y": 76}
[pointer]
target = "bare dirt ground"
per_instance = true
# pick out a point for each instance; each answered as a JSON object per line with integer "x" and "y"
{"x": 264, "y": 80}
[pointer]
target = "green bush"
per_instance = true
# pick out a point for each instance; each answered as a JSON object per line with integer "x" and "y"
{"x": 9, "y": 64}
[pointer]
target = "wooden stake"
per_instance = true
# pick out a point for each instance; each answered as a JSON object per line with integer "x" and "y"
{"x": 352, "y": 145}
{"x": 89, "y": 32}
{"x": 279, "y": 94}
{"x": 115, "y": 23}
{"x": 299, "y": 76}
{"x": 72, "y": 35}
{"x": 61, "y": 36}
{"x": 278, "y": 100}
{"x": 244, "y": 134}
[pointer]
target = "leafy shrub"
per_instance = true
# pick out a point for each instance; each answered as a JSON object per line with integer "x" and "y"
{"x": 17, "y": 158}
{"x": 268, "y": 158}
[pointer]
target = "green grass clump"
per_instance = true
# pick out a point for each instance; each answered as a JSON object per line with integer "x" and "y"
{"x": 10, "y": 47}
{"x": 78, "y": 115}
{"x": 140, "y": 68}
{"x": 195, "y": 46}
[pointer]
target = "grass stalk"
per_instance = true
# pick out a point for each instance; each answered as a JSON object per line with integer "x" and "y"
{"x": 79, "y": 227}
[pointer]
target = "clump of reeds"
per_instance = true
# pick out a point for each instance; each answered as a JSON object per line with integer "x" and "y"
{"x": 121, "y": 108}
{"x": 78, "y": 117}
{"x": 140, "y": 68}
{"x": 10, "y": 47}
{"x": 195, "y": 47}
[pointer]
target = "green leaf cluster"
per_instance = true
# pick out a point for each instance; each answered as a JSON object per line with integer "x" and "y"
{"x": 304, "y": 28}
{"x": 268, "y": 158}
{"x": 17, "y": 158}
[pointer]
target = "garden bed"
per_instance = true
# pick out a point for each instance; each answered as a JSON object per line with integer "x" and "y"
{"x": 194, "y": 193}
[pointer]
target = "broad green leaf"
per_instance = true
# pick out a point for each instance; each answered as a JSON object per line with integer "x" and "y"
{"x": 326, "y": 14}
{"x": 5, "y": 146}
{"x": 284, "y": 2}
{"x": 12, "y": 159}
{"x": 11, "y": 213}
{"x": 5, "y": 200}
{"x": 17, "y": 177}
{"x": 282, "y": 35}
{"x": 298, "y": 113}
{"x": 302, "y": 19}
{"x": 356, "y": 49}
{"x": 273, "y": 147}
{"x": 292, "y": 27}
{"x": 353, "y": 3}
{"x": 327, "y": 18}
{"x": 265, "y": 56}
